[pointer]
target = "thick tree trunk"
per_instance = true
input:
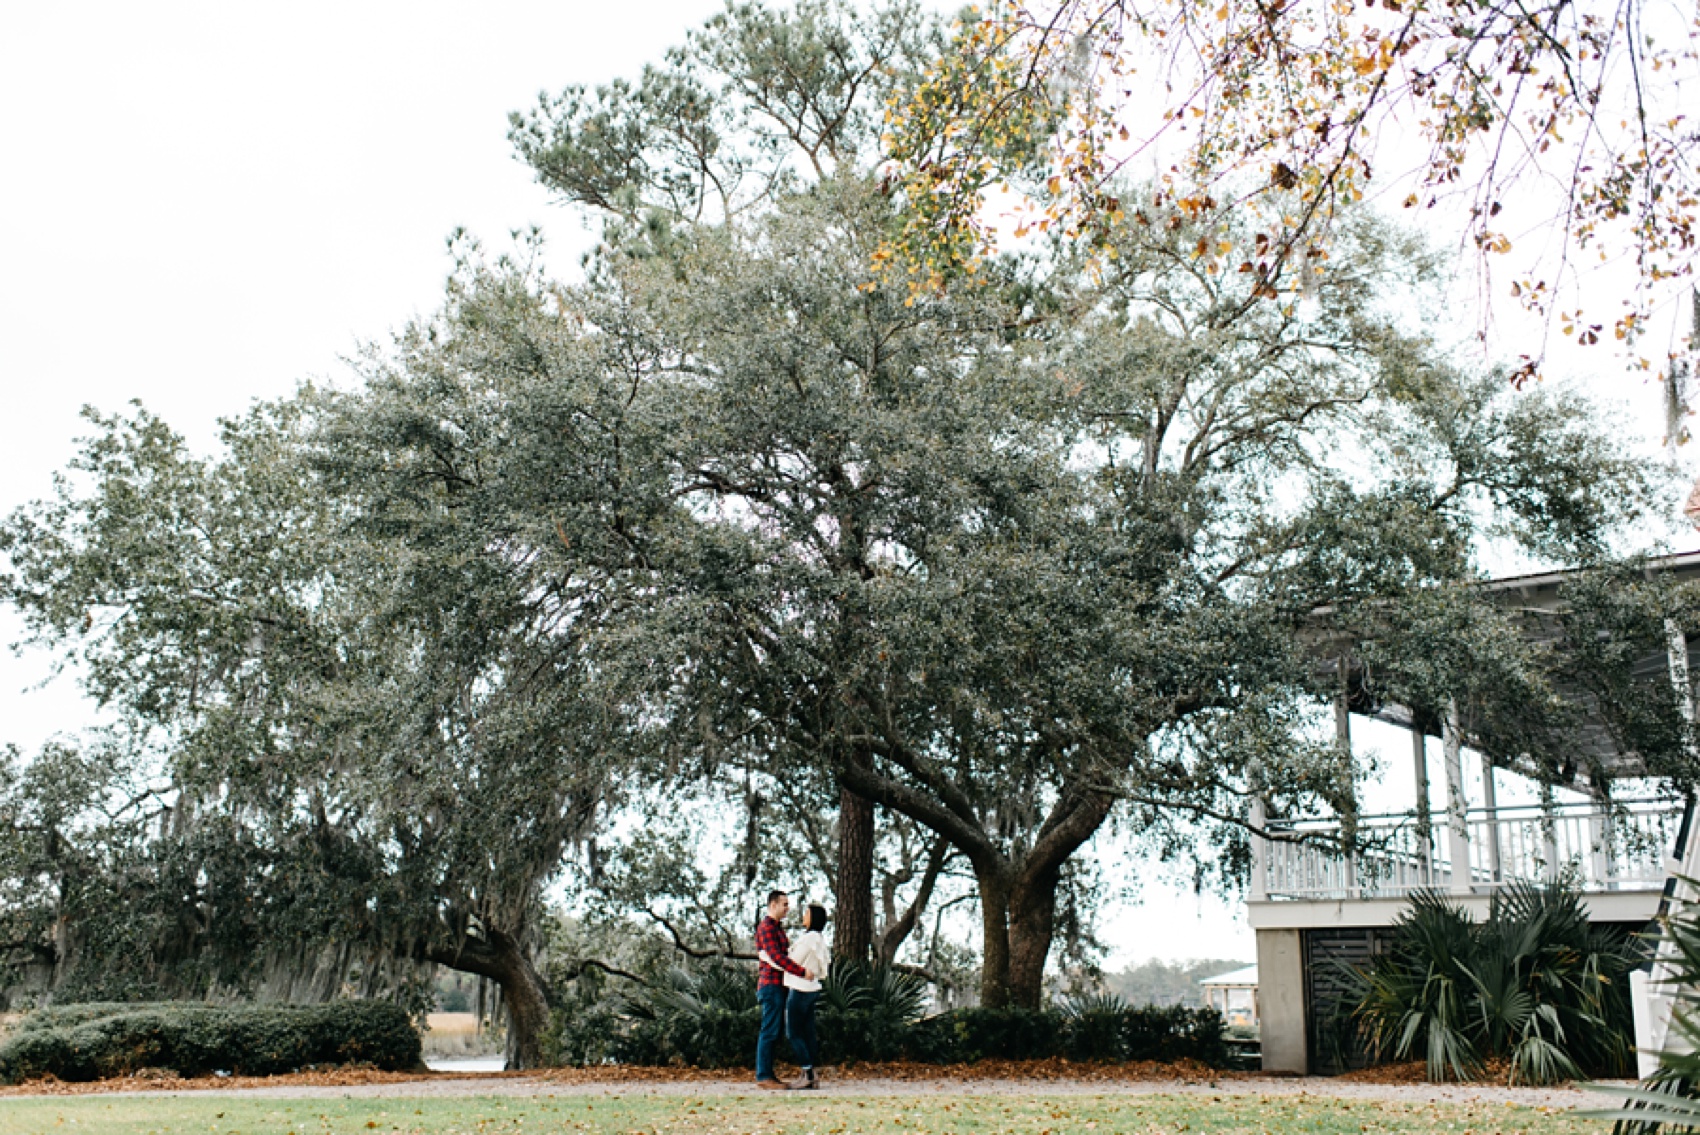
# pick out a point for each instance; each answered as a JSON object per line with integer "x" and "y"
{"x": 499, "y": 957}
{"x": 1032, "y": 927}
{"x": 1031, "y": 921}
{"x": 853, "y": 889}
{"x": 994, "y": 924}
{"x": 527, "y": 1002}
{"x": 1019, "y": 904}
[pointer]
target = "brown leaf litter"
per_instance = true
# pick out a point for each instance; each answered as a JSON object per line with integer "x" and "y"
{"x": 1036, "y": 1071}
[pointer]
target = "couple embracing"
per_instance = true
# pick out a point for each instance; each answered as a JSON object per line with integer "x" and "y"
{"x": 787, "y": 988}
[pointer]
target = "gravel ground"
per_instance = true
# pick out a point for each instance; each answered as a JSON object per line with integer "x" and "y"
{"x": 1564, "y": 1098}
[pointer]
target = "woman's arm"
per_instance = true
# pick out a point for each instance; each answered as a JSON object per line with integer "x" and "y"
{"x": 820, "y": 957}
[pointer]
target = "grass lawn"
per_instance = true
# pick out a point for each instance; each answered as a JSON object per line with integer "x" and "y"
{"x": 793, "y": 1115}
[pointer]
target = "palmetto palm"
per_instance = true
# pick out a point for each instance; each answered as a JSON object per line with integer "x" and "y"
{"x": 1534, "y": 985}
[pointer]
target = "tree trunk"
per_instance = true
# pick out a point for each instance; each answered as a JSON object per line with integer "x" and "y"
{"x": 499, "y": 957}
{"x": 853, "y": 889}
{"x": 994, "y": 923}
{"x": 1032, "y": 926}
{"x": 527, "y": 1002}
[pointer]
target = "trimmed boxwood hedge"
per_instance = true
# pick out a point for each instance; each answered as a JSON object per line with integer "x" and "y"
{"x": 96, "y": 1041}
{"x": 1123, "y": 1033}
{"x": 716, "y": 1037}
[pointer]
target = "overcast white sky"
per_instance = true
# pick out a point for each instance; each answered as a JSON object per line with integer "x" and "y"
{"x": 203, "y": 204}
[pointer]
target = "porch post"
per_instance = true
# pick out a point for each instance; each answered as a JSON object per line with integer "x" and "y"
{"x": 1490, "y": 806}
{"x": 1457, "y": 822}
{"x": 1676, "y": 657}
{"x": 1425, "y": 823}
{"x": 1599, "y": 836}
{"x": 1259, "y": 850}
{"x": 1549, "y": 834}
{"x": 1349, "y": 821}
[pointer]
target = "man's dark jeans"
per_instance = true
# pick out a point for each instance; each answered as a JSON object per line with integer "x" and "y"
{"x": 771, "y": 998}
{"x": 800, "y": 1019}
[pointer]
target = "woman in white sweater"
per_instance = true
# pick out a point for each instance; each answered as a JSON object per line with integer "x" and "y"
{"x": 809, "y": 950}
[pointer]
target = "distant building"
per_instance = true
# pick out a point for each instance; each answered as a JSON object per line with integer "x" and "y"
{"x": 1234, "y": 995}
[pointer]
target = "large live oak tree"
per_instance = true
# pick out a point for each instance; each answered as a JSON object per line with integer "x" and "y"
{"x": 1008, "y": 556}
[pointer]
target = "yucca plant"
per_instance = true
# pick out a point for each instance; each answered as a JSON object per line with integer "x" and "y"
{"x": 712, "y": 985}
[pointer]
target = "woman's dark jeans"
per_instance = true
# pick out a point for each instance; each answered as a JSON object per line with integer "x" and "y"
{"x": 800, "y": 1021}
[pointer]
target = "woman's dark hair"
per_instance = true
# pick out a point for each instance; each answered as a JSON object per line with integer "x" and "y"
{"x": 817, "y": 916}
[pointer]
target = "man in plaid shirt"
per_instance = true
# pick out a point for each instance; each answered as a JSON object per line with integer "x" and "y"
{"x": 773, "y": 948}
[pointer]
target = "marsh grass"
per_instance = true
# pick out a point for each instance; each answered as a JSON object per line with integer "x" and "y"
{"x": 789, "y": 1115}
{"x": 458, "y": 1034}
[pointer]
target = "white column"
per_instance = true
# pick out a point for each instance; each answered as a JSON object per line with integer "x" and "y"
{"x": 1549, "y": 834}
{"x": 1599, "y": 836}
{"x": 1425, "y": 823}
{"x": 1259, "y": 850}
{"x": 1457, "y": 823}
{"x": 1490, "y": 807}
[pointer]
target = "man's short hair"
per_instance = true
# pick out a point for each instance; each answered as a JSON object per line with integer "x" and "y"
{"x": 775, "y": 896}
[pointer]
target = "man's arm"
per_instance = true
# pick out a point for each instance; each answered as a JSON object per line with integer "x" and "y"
{"x": 770, "y": 943}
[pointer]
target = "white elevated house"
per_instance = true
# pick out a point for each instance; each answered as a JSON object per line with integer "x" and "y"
{"x": 1316, "y": 911}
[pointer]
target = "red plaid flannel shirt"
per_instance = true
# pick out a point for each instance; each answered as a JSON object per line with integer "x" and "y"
{"x": 771, "y": 936}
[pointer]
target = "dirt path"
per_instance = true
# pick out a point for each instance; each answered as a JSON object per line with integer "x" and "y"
{"x": 520, "y": 1085}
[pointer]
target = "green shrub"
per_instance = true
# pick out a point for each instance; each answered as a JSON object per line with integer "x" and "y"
{"x": 584, "y": 1033}
{"x": 87, "y": 1042}
{"x": 82, "y": 1012}
{"x": 706, "y": 1016}
{"x": 1535, "y": 985}
{"x": 1173, "y": 1032}
{"x": 869, "y": 1013}
{"x": 860, "y": 1035}
{"x": 1004, "y": 1034}
{"x": 1094, "y": 1025}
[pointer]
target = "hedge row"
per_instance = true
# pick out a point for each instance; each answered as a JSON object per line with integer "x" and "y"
{"x": 715, "y": 1037}
{"x": 92, "y": 1042}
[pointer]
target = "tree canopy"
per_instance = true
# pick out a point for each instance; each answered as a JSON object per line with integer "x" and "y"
{"x": 1537, "y": 120}
{"x": 1071, "y": 538}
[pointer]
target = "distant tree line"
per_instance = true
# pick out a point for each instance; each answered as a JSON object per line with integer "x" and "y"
{"x": 1159, "y": 982}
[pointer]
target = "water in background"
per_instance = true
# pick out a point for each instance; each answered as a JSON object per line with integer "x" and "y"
{"x": 464, "y": 1063}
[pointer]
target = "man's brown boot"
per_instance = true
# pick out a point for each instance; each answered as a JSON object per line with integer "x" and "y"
{"x": 773, "y": 1085}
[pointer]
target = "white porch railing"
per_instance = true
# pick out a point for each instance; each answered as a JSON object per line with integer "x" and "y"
{"x": 1626, "y": 847}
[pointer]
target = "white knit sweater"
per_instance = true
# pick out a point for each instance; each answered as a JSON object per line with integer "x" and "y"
{"x": 810, "y": 951}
